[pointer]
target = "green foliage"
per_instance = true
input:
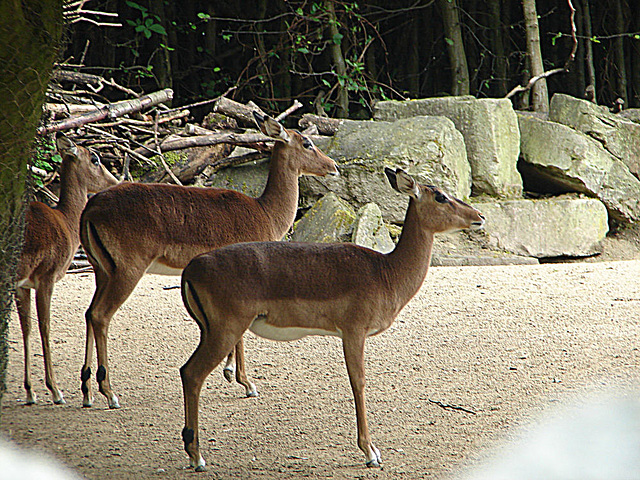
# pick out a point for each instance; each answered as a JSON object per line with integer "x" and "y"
{"x": 46, "y": 157}
{"x": 146, "y": 23}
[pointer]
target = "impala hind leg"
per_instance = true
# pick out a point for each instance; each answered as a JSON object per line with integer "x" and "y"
{"x": 43, "y": 307}
{"x": 238, "y": 367}
{"x": 213, "y": 348}
{"x": 111, "y": 293}
{"x": 354, "y": 357}
{"x": 23, "y": 302}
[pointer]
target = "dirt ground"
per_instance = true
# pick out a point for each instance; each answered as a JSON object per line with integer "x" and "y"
{"x": 503, "y": 342}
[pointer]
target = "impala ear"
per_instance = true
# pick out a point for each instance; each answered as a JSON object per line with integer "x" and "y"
{"x": 402, "y": 182}
{"x": 271, "y": 127}
{"x": 66, "y": 146}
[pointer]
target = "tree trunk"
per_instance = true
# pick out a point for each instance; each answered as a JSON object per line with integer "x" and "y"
{"x": 497, "y": 44}
{"x": 337, "y": 60}
{"x": 30, "y": 32}
{"x": 162, "y": 60}
{"x": 618, "y": 48}
{"x": 539, "y": 94}
{"x": 455, "y": 47}
{"x": 591, "y": 71}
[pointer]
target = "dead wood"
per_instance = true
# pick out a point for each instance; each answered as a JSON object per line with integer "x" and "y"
{"x": 113, "y": 110}
{"x": 326, "y": 125}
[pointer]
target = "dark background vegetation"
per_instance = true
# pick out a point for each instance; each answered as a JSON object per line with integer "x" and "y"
{"x": 317, "y": 51}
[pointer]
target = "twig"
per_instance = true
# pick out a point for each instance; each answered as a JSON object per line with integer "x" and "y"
{"x": 199, "y": 104}
{"x": 452, "y": 407}
{"x": 296, "y": 105}
{"x": 161, "y": 155}
{"x": 80, "y": 270}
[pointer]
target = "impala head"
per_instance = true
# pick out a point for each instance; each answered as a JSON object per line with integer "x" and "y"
{"x": 438, "y": 211}
{"x": 86, "y": 164}
{"x": 291, "y": 144}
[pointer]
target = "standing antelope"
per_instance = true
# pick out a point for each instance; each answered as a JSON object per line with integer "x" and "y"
{"x": 135, "y": 229}
{"x": 50, "y": 240}
{"x": 285, "y": 291}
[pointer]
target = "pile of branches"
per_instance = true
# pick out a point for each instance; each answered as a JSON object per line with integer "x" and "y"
{"x": 142, "y": 128}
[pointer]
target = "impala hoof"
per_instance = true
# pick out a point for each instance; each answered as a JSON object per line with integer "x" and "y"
{"x": 60, "y": 401}
{"x": 87, "y": 402}
{"x": 252, "y": 391}
{"x": 201, "y": 468}
{"x": 228, "y": 373}
{"x": 114, "y": 403}
{"x": 373, "y": 464}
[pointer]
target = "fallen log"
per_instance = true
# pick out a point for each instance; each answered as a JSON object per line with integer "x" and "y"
{"x": 172, "y": 143}
{"x": 326, "y": 125}
{"x": 111, "y": 111}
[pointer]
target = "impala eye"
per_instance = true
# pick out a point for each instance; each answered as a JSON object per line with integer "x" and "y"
{"x": 95, "y": 159}
{"x": 306, "y": 143}
{"x": 441, "y": 198}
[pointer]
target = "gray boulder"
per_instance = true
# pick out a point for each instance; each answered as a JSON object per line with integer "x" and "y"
{"x": 618, "y": 135}
{"x": 571, "y": 161}
{"x": 370, "y": 231}
{"x": 429, "y": 148}
{"x": 331, "y": 219}
{"x": 491, "y": 136}
{"x": 553, "y": 227}
{"x": 249, "y": 178}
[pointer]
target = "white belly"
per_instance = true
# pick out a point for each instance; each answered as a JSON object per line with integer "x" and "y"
{"x": 286, "y": 334}
{"x": 161, "y": 269}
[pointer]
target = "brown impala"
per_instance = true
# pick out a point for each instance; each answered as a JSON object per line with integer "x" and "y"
{"x": 135, "y": 229}
{"x": 285, "y": 291}
{"x": 50, "y": 240}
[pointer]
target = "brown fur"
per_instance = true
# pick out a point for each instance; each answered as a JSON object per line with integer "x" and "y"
{"x": 289, "y": 290}
{"x": 51, "y": 239}
{"x": 129, "y": 228}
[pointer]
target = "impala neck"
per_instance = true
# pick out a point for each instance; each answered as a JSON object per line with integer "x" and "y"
{"x": 410, "y": 260}
{"x": 73, "y": 197}
{"x": 280, "y": 196}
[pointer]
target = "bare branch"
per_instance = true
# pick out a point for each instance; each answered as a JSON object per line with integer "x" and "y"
{"x": 113, "y": 110}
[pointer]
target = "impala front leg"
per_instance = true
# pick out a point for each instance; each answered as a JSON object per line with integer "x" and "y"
{"x": 354, "y": 357}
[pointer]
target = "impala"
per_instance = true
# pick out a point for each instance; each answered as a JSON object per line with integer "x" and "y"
{"x": 50, "y": 240}
{"x": 285, "y": 291}
{"x": 135, "y": 229}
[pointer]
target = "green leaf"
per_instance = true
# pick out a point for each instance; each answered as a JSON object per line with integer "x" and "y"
{"x": 136, "y": 6}
{"x": 156, "y": 27}
{"x": 337, "y": 38}
{"x": 449, "y": 41}
{"x": 555, "y": 37}
{"x": 304, "y": 50}
{"x": 204, "y": 16}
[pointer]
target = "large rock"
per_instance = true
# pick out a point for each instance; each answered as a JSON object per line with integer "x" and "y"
{"x": 331, "y": 219}
{"x": 491, "y": 135}
{"x": 429, "y": 148}
{"x": 553, "y": 227}
{"x": 370, "y": 231}
{"x": 620, "y": 136}
{"x": 249, "y": 178}
{"x": 568, "y": 160}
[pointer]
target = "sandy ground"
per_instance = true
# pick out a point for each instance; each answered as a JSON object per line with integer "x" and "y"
{"x": 504, "y": 343}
